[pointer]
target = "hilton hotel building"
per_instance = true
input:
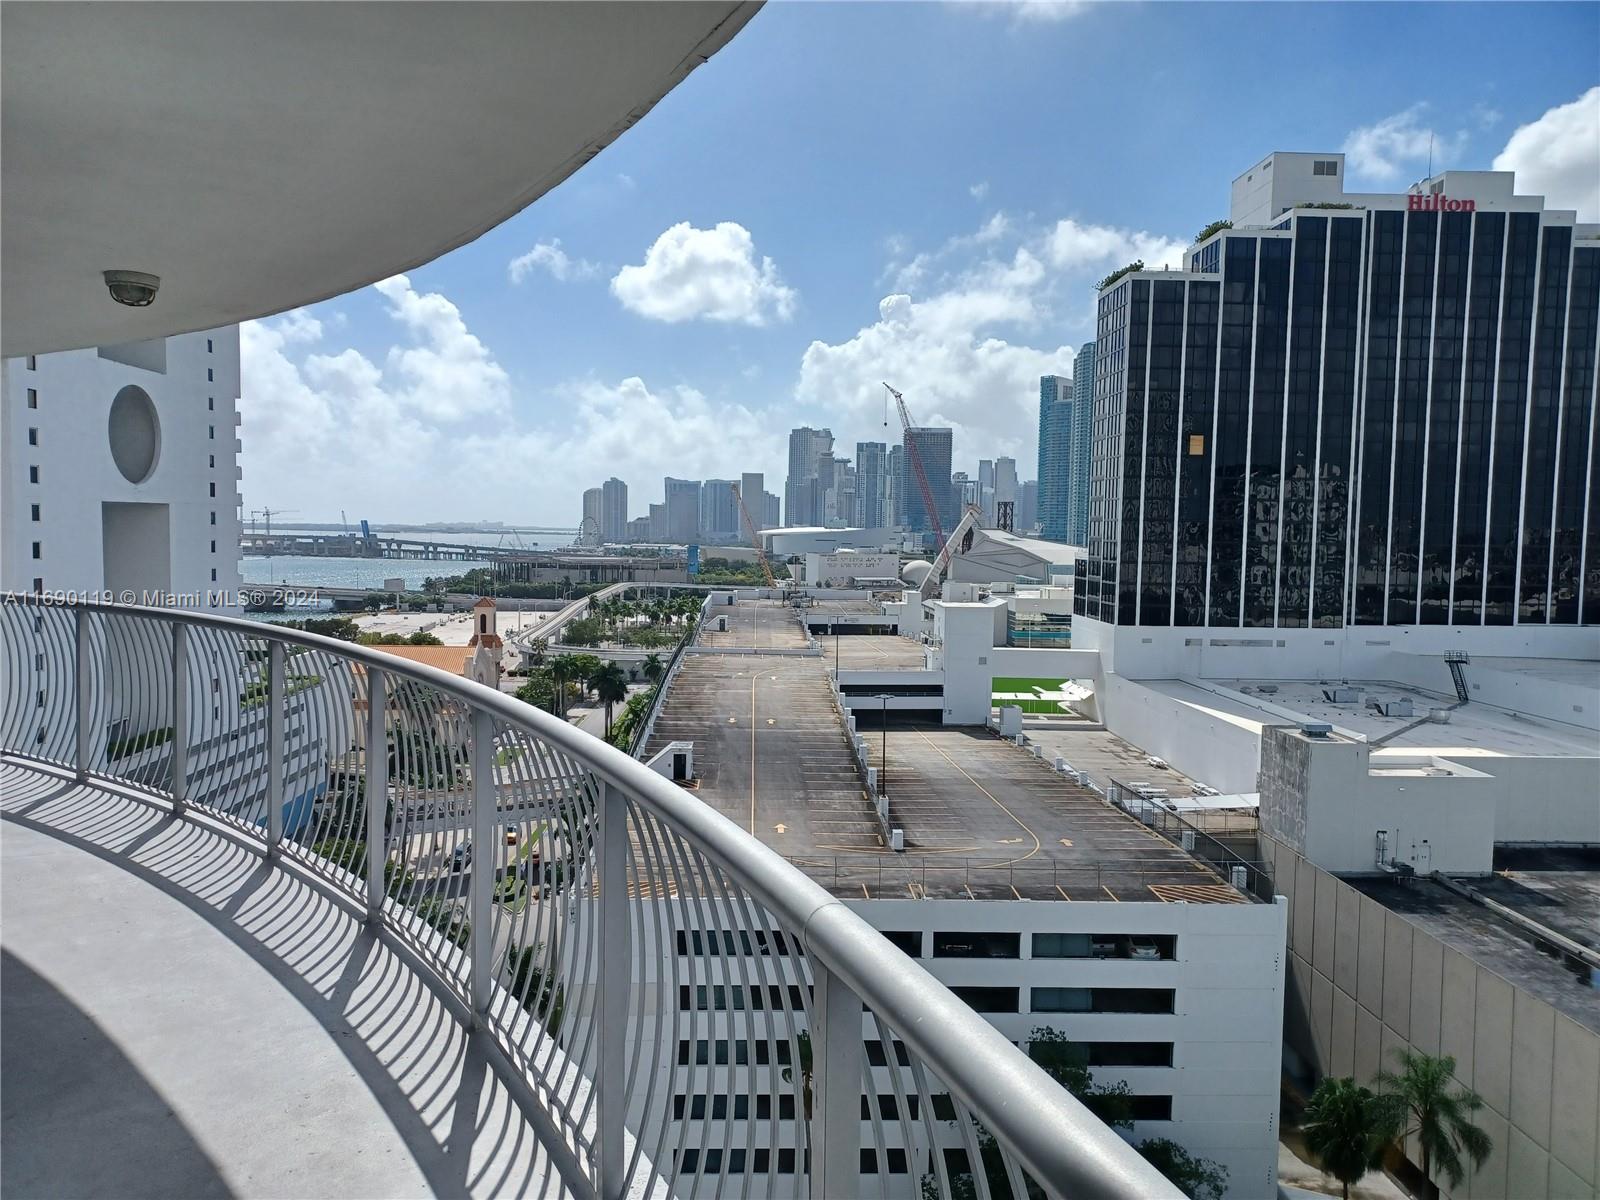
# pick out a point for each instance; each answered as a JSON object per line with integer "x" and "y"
{"x": 1353, "y": 420}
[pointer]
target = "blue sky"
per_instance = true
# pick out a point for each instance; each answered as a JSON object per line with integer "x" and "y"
{"x": 917, "y": 192}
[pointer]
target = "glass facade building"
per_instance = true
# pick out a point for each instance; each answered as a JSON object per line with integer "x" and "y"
{"x": 1378, "y": 414}
{"x": 933, "y": 448}
{"x": 1055, "y": 452}
{"x": 1080, "y": 454}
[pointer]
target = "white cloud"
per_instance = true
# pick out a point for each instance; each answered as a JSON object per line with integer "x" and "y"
{"x": 447, "y": 374}
{"x": 1031, "y": 12}
{"x": 1558, "y": 156}
{"x": 979, "y": 190}
{"x": 1388, "y": 148}
{"x": 1071, "y": 245}
{"x": 329, "y": 427}
{"x": 713, "y": 274}
{"x": 426, "y": 431}
{"x": 550, "y": 257}
{"x": 597, "y": 435}
{"x": 944, "y": 354}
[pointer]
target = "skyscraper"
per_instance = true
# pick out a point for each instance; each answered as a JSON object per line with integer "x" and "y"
{"x": 719, "y": 512}
{"x": 1080, "y": 445}
{"x": 1055, "y": 440}
{"x": 986, "y": 490}
{"x": 753, "y": 491}
{"x": 591, "y": 515}
{"x": 1400, "y": 433}
{"x": 1005, "y": 482}
{"x": 933, "y": 448}
{"x": 807, "y": 446}
{"x": 1027, "y": 518}
{"x": 683, "y": 509}
{"x": 614, "y": 510}
{"x": 872, "y": 485}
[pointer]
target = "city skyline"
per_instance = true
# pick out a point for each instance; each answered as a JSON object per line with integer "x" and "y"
{"x": 923, "y": 251}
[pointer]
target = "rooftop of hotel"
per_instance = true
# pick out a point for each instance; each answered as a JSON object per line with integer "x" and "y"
{"x": 1557, "y": 887}
{"x": 1469, "y": 730}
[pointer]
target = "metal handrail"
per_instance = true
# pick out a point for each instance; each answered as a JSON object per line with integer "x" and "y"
{"x": 1040, "y": 1130}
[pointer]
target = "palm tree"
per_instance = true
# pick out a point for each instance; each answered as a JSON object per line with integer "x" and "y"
{"x": 653, "y": 668}
{"x": 1346, "y": 1127}
{"x": 1439, "y": 1118}
{"x": 538, "y": 651}
{"x": 610, "y": 688}
{"x": 562, "y": 672}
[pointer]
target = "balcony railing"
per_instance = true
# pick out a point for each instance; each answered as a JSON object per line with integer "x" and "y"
{"x": 635, "y": 959}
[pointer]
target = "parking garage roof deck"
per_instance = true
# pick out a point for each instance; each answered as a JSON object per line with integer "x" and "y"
{"x": 983, "y": 819}
{"x": 873, "y": 652}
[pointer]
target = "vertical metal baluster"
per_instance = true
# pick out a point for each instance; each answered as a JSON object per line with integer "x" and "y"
{"x": 376, "y": 789}
{"x": 616, "y": 962}
{"x": 835, "y": 1086}
{"x": 484, "y": 854}
{"x": 85, "y": 696}
{"x": 275, "y": 777}
{"x": 180, "y": 715}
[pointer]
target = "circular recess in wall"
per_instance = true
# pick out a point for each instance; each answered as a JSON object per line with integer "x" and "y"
{"x": 135, "y": 433}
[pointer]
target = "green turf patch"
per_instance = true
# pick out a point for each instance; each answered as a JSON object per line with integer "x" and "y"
{"x": 1014, "y": 683}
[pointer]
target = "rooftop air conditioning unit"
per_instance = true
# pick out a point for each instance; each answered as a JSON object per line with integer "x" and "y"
{"x": 1267, "y": 689}
{"x": 1316, "y": 729}
{"x": 1439, "y": 716}
{"x": 1188, "y": 841}
{"x": 1239, "y": 877}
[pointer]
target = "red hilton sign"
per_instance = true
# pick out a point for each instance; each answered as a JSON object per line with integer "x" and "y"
{"x": 1439, "y": 203}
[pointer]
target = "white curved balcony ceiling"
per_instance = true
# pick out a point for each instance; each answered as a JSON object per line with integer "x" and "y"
{"x": 261, "y": 156}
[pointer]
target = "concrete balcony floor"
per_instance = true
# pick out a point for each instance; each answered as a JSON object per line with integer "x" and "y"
{"x": 181, "y": 1019}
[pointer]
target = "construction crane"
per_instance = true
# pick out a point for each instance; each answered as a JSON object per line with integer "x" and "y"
{"x": 268, "y": 513}
{"x": 754, "y": 535}
{"x": 915, "y": 455}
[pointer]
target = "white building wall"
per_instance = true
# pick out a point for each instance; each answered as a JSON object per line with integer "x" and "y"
{"x": 54, "y": 427}
{"x": 1226, "y": 1024}
{"x": 1203, "y": 745}
{"x": 1353, "y": 652}
{"x": 1226, "y": 975}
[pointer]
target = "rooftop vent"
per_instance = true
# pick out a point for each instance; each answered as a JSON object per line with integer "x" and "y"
{"x": 1316, "y": 729}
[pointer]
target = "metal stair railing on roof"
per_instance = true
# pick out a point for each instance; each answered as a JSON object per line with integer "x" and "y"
{"x": 691, "y": 1013}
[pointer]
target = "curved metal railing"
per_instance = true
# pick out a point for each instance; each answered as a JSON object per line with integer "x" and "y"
{"x": 693, "y": 1014}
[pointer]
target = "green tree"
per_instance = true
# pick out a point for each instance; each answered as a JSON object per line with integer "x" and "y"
{"x": 803, "y": 1060}
{"x": 1067, "y": 1064}
{"x": 562, "y": 672}
{"x": 610, "y": 688}
{"x": 653, "y": 668}
{"x": 535, "y": 991}
{"x": 1427, "y": 1107}
{"x": 586, "y": 666}
{"x": 1197, "y": 1178}
{"x": 538, "y": 651}
{"x": 1346, "y": 1127}
{"x": 539, "y": 689}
